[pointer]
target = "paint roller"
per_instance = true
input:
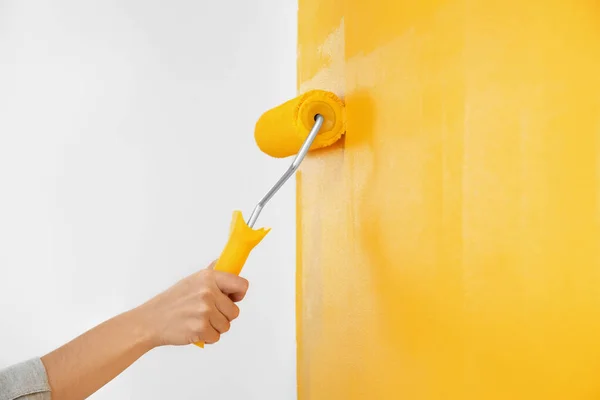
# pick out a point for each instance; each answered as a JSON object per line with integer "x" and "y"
{"x": 311, "y": 121}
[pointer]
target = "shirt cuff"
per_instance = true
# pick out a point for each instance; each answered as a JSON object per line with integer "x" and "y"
{"x": 28, "y": 378}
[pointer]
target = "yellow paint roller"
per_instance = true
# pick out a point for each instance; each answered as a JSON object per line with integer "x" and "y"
{"x": 311, "y": 121}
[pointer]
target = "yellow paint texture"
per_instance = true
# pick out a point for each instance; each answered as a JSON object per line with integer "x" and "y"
{"x": 449, "y": 245}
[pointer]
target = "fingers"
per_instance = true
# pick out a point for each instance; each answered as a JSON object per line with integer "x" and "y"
{"x": 232, "y": 285}
{"x": 215, "y": 296}
{"x": 219, "y": 322}
{"x": 235, "y": 297}
{"x": 227, "y": 307}
{"x": 210, "y": 335}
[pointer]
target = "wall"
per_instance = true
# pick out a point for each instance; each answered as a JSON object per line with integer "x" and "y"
{"x": 449, "y": 247}
{"x": 126, "y": 141}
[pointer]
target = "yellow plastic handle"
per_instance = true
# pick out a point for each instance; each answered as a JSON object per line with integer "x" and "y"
{"x": 242, "y": 239}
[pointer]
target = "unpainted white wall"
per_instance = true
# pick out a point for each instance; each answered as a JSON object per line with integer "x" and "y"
{"x": 126, "y": 141}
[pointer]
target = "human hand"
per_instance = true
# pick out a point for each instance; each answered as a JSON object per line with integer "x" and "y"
{"x": 198, "y": 308}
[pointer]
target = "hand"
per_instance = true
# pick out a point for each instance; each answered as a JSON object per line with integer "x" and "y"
{"x": 198, "y": 308}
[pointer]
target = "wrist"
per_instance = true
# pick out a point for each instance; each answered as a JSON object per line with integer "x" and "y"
{"x": 142, "y": 328}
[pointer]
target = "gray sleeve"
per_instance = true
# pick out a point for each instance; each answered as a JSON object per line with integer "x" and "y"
{"x": 25, "y": 381}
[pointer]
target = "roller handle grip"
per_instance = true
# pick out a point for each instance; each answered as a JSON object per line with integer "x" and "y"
{"x": 242, "y": 240}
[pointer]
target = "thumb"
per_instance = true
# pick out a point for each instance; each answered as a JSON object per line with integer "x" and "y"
{"x": 232, "y": 285}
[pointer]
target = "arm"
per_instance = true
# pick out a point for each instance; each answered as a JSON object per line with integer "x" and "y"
{"x": 82, "y": 366}
{"x": 198, "y": 308}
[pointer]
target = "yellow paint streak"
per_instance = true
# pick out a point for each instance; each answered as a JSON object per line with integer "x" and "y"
{"x": 449, "y": 247}
{"x": 312, "y": 54}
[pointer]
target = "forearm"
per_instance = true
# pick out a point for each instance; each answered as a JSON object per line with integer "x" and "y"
{"x": 84, "y": 365}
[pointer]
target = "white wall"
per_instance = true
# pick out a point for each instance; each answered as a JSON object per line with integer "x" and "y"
{"x": 126, "y": 141}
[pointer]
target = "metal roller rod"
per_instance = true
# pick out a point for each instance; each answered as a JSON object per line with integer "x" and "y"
{"x": 290, "y": 171}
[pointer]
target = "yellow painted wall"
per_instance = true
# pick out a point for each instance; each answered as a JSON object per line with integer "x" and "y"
{"x": 449, "y": 248}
